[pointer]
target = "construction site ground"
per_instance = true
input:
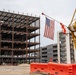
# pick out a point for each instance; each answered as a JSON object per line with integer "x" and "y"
{"x": 22, "y": 69}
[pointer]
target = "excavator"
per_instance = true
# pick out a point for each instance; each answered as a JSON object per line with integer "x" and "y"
{"x": 52, "y": 68}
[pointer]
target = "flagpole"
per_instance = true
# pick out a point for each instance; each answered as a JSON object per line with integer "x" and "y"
{"x": 52, "y": 18}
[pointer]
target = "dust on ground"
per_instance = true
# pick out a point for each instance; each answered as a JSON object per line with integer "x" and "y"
{"x": 22, "y": 69}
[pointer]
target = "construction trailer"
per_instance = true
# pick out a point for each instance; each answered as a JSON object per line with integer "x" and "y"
{"x": 19, "y": 38}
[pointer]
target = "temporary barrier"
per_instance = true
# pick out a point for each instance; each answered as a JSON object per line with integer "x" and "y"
{"x": 59, "y": 69}
{"x": 42, "y": 67}
{"x": 53, "y": 68}
{"x": 74, "y": 69}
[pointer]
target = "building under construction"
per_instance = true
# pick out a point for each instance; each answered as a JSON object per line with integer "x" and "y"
{"x": 19, "y": 38}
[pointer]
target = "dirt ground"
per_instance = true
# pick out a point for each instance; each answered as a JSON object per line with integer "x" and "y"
{"x": 22, "y": 69}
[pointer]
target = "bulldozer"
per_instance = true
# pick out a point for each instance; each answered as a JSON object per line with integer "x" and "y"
{"x": 52, "y": 68}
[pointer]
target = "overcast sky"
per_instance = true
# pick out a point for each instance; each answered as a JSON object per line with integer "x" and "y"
{"x": 61, "y": 10}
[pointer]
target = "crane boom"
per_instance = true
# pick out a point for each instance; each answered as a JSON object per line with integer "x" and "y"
{"x": 72, "y": 17}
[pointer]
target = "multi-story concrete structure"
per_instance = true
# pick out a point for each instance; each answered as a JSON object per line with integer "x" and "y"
{"x": 65, "y": 48}
{"x": 62, "y": 52}
{"x": 19, "y": 37}
{"x": 48, "y": 52}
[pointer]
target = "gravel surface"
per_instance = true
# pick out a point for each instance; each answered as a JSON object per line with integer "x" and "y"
{"x": 23, "y": 69}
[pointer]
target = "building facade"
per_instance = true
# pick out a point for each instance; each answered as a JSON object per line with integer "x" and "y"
{"x": 65, "y": 48}
{"x": 48, "y": 53}
{"x": 62, "y": 52}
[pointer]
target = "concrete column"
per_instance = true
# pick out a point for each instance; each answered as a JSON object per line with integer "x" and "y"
{"x": 68, "y": 49}
{"x": 58, "y": 47}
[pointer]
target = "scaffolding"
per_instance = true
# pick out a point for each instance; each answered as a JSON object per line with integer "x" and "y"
{"x": 19, "y": 38}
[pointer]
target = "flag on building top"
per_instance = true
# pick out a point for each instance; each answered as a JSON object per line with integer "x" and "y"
{"x": 49, "y": 28}
{"x": 63, "y": 28}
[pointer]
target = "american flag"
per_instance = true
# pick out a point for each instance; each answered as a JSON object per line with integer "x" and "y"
{"x": 49, "y": 29}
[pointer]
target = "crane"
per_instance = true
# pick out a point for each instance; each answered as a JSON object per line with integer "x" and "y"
{"x": 72, "y": 29}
